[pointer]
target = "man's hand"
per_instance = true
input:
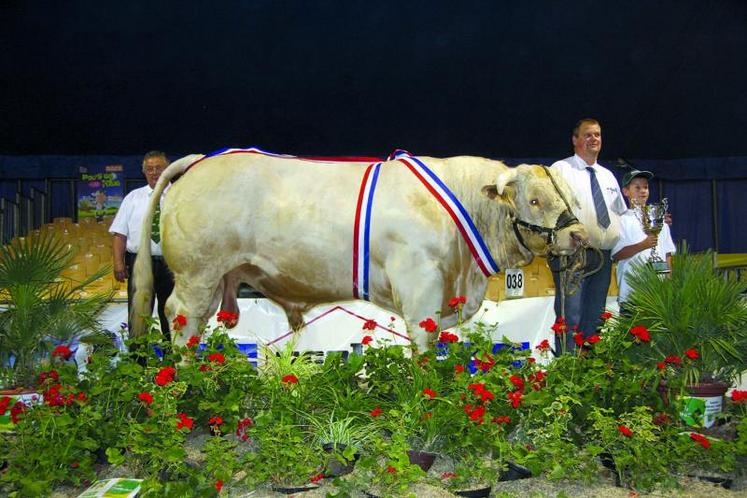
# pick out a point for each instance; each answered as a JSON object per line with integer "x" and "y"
{"x": 668, "y": 219}
{"x": 121, "y": 274}
{"x": 649, "y": 242}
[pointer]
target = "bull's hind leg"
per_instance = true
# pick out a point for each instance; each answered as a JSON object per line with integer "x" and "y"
{"x": 194, "y": 302}
{"x": 229, "y": 297}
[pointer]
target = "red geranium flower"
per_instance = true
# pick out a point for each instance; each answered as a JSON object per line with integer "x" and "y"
{"x": 476, "y": 388}
{"x": 641, "y": 333}
{"x": 593, "y": 339}
{"x": 376, "y": 412}
{"x": 448, "y": 337}
{"x": 478, "y": 414}
{"x": 487, "y": 395}
{"x": 737, "y": 396}
{"x": 241, "y": 428}
{"x": 146, "y": 397}
{"x": 606, "y": 315}
{"x": 4, "y": 402}
{"x": 692, "y": 354}
{"x": 625, "y": 431}
{"x": 700, "y": 439}
{"x": 367, "y": 340}
{"x": 661, "y": 365}
{"x": 227, "y": 317}
{"x": 559, "y": 327}
{"x": 16, "y": 411}
{"x": 675, "y": 360}
{"x": 184, "y": 421}
{"x": 578, "y": 338}
{"x": 517, "y": 381}
{"x": 428, "y": 325}
{"x": 459, "y": 368}
{"x": 52, "y": 375}
{"x": 218, "y": 485}
{"x": 62, "y": 351}
{"x": 193, "y": 341}
{"x": 290, "y": 379}
{"x": 391, "y": 469}
{"x": 215, "y": 421}
{"x": 317, "y": 477}
{"x": 543, "y": 346}
{"x": 217, "y": 357}
{"x": 429, "y": 392}
{"x": 515, "y": 398}
{"x": 179, "y": 322}
{"x": 165, "y": 376}
{"x": 501, "y": 420}
{"x": 205, "y": 368}
{"x": 457, "y": 301}
{"x": 370, "y": 325}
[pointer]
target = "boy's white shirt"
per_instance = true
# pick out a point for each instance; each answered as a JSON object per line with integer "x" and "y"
{"x": 631, "y": 233}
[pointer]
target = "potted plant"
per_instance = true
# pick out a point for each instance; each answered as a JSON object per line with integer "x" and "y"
{"x": 41, "y": 308}
{"x": 343, "y": 438}
{"x": 692, "y": 325}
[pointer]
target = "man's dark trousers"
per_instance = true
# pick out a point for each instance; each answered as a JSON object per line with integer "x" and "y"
{"x": 163, "y": 285}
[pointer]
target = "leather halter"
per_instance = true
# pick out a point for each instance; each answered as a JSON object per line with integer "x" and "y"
{"x": 565, "y": 219}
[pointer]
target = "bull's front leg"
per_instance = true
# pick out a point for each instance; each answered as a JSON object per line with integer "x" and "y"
{"x": 417, "y": 291}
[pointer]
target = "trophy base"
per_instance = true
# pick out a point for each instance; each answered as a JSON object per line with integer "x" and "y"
{"x": 660, "y": 266}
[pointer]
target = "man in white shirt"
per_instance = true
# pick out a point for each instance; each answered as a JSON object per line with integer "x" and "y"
{"x": 601, "y": 204}
{"x": 126, "y": 229}
{"x": 634, "y": 246}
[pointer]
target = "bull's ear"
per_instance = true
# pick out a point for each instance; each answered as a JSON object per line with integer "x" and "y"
{"x": 490, "y": 191}
{"x": 506, "y": 177}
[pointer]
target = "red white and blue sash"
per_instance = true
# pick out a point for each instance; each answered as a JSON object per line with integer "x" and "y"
{"x": 451, "y": 204}
{"x": 362, "y": 231}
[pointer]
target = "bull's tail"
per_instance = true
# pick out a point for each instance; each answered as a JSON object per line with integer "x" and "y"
{"x": 143, "y": 269}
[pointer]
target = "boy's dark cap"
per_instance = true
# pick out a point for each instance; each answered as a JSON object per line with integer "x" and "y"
{"x": 634, "y": 173}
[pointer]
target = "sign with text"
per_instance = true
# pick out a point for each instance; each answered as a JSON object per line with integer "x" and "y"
{"x": 514, "y": 282}
{"x": 100, "y": 191}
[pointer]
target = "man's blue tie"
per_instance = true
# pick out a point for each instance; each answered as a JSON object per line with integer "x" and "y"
{"x": 603, "y": 216}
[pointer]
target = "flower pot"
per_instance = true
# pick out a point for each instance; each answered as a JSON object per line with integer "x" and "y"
{"x": 422, "y": 459}
{"x": 704, "y": 403}
{"x": 475, "y": 493}
{"x": 515, "y": 472}
{"x": 289, "y": 490}
{"x": 335, "y": 467}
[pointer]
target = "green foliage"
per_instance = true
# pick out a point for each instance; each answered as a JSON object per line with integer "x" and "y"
{"x": 694, "y": 308}
{"x": 40, "y": 306}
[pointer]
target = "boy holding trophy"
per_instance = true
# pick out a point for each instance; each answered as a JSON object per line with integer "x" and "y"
{"x": 643, "y": 233}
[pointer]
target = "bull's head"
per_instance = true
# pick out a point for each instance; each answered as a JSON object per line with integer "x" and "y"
{"x": 540, "y": 204}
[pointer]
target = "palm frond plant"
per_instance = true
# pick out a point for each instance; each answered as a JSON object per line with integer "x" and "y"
{"x": 39, "y": 306}
{"x": 696, "y": 319}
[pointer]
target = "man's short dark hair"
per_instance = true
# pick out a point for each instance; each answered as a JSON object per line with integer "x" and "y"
{"x": 157, "y": 154}
{"x": 582, "y": 122}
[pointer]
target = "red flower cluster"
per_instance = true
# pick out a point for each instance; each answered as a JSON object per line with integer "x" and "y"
{"x": 593, "y": 339}
{"x": 146, "y": 398}
{"x": 227, "y": 317}
{"x": 481, "y": 391}
{"x": 515, "y": 398}
{"x": 738, "y": 396}
{"x": 428, "y": 325}
{"x": 241, "y": 428}
{"x": 485, "y": 364}
{"x": 641, "y": 333}
{"x": 476, "y": 413}
{"x": 366, "y": 340}
{"x": 317, "y": 477}
{"x": 218, "y": 485}
{"x": 457, "y": 302}
{"x": 458, "y": 368}
{"x": 448, "y": 337}
{"x": 184, "y": 421}
{"x": 391, "y": 469}
{"x": 700, "y": 439}
{"x": 370, "y": 325}
{"x": 543, "y": 346}
{"x": 165, "y": 376}
{"x": 193, "y": 341}
{"x": 215, "y": 421}
{"x": 502, "y": 420}
{"x": 674, "y": 360}
{"x": 606, "y": 315}
{"x": 53, "y": 396}
{"x": 16, "y": 411}
{"x": 217, "y": 358}
{"x": 559, "y": 327}
{"x": 290, "y": 379}
{"x": 537, "y": 379}
{"x": 518, "y": 382}
{"x": 179, "y": 322}
{"x": 625, "y": 431}
{"x": 376, "y": 412}
{"x": 4, "y": 402}
{"x": 62, "y": 352}
{"x": 578, "y": 338}
{"x": 429, "y": 393}
{"x": 205, "y": 368}
{"x": 692, "y": 354}
{"x": 51, "y": 376}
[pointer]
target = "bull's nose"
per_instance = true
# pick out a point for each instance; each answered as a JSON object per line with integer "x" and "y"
{"x": 579, "y": 238}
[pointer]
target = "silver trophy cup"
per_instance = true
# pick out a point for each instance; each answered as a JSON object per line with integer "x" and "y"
{"x": 651, "y": 217}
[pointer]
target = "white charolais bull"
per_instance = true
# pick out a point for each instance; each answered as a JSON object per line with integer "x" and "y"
{"x": 286, "y": 226}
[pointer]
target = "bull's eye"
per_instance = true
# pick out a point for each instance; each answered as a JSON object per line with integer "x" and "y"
{"x": 534, "y": 202}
